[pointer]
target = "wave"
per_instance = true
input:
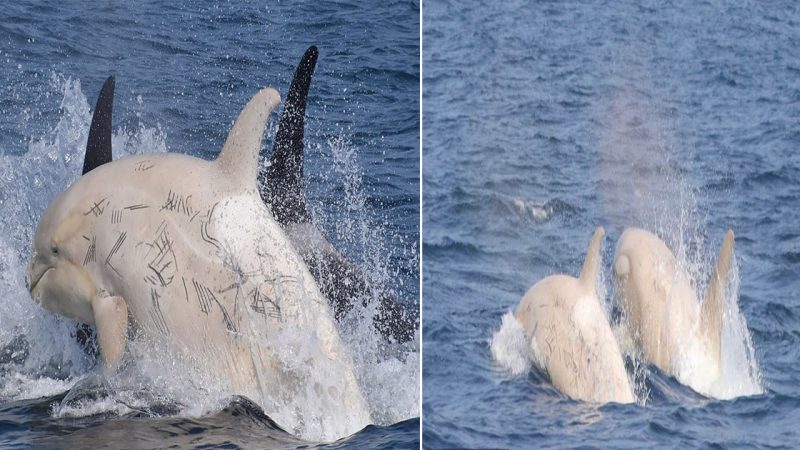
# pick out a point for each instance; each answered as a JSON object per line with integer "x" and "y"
{"x": 448, "y": 245}
{"x": 88, "y": 416}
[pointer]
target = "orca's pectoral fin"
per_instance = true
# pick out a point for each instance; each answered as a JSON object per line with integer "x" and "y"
{"x": 111, "y": 322}
{"x": 714, "y": 304}
{"x": 284, "y": 187}
{"x": 98, "y": 147}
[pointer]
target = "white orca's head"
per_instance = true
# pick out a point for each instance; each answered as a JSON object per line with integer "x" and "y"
{"x": 57, "y": 278}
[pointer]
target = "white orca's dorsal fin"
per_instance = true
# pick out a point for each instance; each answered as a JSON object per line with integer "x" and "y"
{"x": 98, "y": 146}
{"x": 713, "y": 307}
{"x": 592, "y": 262}
{"x": 239, "y": 155}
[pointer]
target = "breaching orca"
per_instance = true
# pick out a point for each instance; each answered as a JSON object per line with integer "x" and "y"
{"x": 339, "y": 279}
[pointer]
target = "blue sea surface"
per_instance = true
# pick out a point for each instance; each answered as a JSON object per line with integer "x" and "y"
{"x": 543, "y": 120}
{"x": 183, "y": 72}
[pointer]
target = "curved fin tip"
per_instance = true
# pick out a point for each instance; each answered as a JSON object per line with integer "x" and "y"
{"x": 592, "y": 261}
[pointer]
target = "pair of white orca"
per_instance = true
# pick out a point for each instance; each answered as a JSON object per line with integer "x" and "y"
{"x": 201, "y": 258}
{"x": 571, "y": 338}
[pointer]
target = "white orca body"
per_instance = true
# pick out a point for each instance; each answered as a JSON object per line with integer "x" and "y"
{"x": 184, "y": 250}
{"x": 339, "y": 280}
{"x": 570, "y": 336}
{"x": 678, "y": 334}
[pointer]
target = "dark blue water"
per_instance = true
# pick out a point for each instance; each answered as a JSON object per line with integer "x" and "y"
{"x": 239, "y": 424}
{"x": 183, "y": 72}
{"x": 542, "y": 121}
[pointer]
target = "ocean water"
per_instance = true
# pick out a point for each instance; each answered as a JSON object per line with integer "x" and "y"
{"x": 183, "y": 72}
{"x": 545, "y": 120}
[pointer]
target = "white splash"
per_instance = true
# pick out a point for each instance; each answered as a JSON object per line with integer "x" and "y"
{"x": 510, "y": 346}
{"x": 739, "y": 373}
{"x": 388, "y": 374}
{"x": 21, "y": 386}
{"x": 536, "y": 211}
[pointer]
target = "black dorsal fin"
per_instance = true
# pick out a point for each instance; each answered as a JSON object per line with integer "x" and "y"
{"x": 98, "y": 147}
{"x": 284, "y": 187}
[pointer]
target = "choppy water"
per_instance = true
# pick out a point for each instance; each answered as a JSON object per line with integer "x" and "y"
{"x": 544, "y": 120}
{"x": 183, "y": 74}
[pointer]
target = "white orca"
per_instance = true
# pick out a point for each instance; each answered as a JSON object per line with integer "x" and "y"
{"x": 570, "y": 336}
{"x": 283, "y": 189}
{"x": 677, "y": 333}
{"x": 184, "y": 250}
